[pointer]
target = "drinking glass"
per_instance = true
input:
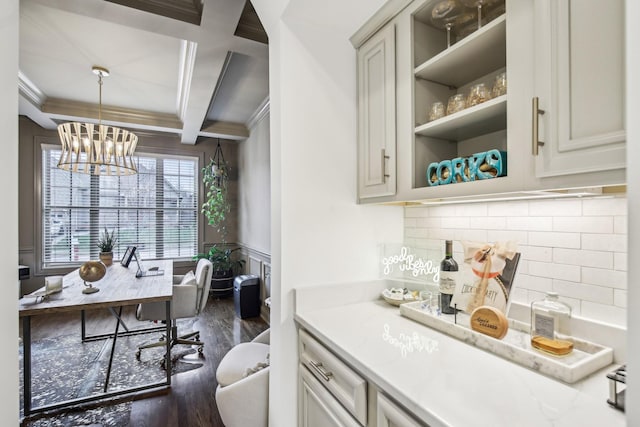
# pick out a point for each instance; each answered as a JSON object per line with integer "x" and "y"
{"x": 446, "y": 13}
{"x": 478, "y": 95}
{"x": 500, "y": 85}
{"x": 436, "y": 111}
{"x": 456, "y": 103}
{"x": 479, "y": 4}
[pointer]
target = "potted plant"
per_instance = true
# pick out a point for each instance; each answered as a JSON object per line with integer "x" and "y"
{"x": 106, "y": 243}
{"x": 226, "y": 265}
{"x": 216, "y": 205}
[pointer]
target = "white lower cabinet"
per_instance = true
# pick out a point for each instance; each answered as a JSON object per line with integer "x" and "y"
{"x": 391, "y": 415}
{"x": 332, "y": 393}
{"x": 317, "y": 407}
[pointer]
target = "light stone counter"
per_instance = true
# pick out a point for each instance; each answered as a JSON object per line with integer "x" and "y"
{"x": 441, "y": 380}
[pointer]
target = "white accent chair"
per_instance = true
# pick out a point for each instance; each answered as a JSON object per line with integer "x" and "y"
{"x": 242, "y": 395}
{"x": 190, "y": 295}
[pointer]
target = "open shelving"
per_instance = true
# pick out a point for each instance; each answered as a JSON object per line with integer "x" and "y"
{"x": 440, "y": 72}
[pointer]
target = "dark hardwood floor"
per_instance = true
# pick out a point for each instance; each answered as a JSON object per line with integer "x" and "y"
{"x": 191, "y": 400}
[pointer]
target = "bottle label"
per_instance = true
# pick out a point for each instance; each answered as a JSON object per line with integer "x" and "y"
{"x": 447, "y": 282}
{"x": 544, "y": 325}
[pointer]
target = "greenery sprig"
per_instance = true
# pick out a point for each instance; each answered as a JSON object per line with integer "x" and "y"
{"x": 107, "y": 241}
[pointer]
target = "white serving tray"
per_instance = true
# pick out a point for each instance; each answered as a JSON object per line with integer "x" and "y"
{"x": 585, "y": 358}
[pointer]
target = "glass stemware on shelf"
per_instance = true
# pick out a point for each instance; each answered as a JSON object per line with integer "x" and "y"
{"x": 447, "y": 13}
{"x": 479, "y": 4}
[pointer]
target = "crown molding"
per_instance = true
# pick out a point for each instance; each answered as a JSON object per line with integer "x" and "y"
{"x": 30, "y": 91}
{"x": 228, "y": 130}
{"x": 388, "y": 10}
{"x": 187, "y": 63}
{"x": 262, "y": 110}
{"x": 75, "y": 109}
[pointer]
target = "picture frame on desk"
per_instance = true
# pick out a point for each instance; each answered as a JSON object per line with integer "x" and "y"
{"x": 128, "y": 256}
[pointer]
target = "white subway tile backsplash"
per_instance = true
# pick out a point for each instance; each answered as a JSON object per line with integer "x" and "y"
{"x": 530, "y": 223}
{"x": 415, "y": 232}
{"x": 577, "y": 247}
{"x": 555, "y": 271}
{"x": 416, "y": 212}
{"x": 555, "y": 208}
{"x": 580, "y": 291}
{"x": 455, "y": 222}
{"x": 471, "y": 235}
{"x": 488, "y": 222}
{"x": 508, "y": 209}
{"x": 520, "y": 237}
{"x": 605, "y": 313}
{"x": 586, "y": 224}
{"x": 443, "y": 211}
{"x": 603, "y": 277}
{"x": 620, "y": 224}
{"x": 605, "y": 242}
{"x": 605, "y": 206}
{"x": 471, "y": 209}
{"x": 429, "y": 222}
{"x": 554, "y": 239}
{"x": 535, "y": 253}
{"x": 597, "y": 259}
{"x": 620, "y": 298}
{"x": 533, "y": 283}
{"x": 620, "y": 261}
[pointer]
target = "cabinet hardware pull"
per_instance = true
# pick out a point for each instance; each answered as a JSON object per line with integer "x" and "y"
{"x": 385, "y": 175}
{"x": 320, "y": 369}
{"x": 534, "y": 126}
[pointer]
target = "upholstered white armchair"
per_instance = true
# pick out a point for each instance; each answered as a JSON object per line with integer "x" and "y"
{"x": 190, "y": 294}
{"x": 242, "y": 394}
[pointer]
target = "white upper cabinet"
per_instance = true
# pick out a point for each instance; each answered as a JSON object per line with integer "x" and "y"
{"x": 566, "y": 55}
{"x": 580, "y": 86}
{"x": 377, "y": 115}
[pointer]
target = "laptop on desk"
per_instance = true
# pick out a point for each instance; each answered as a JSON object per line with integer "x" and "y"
{"x": 151, "y": 271}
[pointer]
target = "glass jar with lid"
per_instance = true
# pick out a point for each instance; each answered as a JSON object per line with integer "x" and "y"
{"x": 550, "y": 323}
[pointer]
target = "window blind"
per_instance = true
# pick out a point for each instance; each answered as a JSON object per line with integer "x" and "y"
{"x": 155, "y": 210}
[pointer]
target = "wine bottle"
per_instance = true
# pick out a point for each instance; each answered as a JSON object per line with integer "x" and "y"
{"x": 448, "y": 274}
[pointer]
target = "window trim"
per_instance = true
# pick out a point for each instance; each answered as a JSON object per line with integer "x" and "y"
{"x": 44, "y": 142}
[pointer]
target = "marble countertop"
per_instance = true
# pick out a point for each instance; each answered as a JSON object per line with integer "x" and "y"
{"x": 442, "y": 380}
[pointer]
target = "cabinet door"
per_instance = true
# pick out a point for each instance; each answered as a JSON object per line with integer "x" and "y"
{"x": 377, "y": 115}
{"x": 390, "y": 415}
{"x": 317, "y": 407}
{"x": 580, "y": 81}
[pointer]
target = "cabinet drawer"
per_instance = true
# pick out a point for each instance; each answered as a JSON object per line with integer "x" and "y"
{"x": 349, "y": 388}
{"x": 391, "y": 415}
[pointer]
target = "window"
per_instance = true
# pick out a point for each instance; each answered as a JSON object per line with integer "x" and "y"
{"x": 155, "y": 209}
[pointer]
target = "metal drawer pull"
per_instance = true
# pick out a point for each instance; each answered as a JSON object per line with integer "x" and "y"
{"x": 320, "y": 369}
{"x": 534, "y": 125}
{"x": 384, "y": 158}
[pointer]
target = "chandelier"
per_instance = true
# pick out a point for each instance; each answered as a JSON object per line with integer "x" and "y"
{"x": 97, "y": 149}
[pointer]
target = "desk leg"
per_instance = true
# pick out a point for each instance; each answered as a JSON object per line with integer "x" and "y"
{"x": 26, "y": 363}
{"x": 83, "y": 329}
{"x": 169, "y": 337}
{"x": 113, "y": 348}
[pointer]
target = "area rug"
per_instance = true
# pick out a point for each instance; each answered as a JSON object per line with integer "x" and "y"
{"x": 64, "y": 368}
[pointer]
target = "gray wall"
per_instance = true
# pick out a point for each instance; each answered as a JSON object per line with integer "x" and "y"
{"x": 255, "y": 189}
{"x": 29, "y": 153}
{"x": 254, "y": 230}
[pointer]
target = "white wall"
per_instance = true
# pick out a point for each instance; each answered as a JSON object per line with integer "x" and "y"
{"x": 254, "y": 188}
{"x": 9, "y": 15}
{"x": 576, "y": 247}
{"x": 633, "y": 191}
{"x": 319, "y": 233}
